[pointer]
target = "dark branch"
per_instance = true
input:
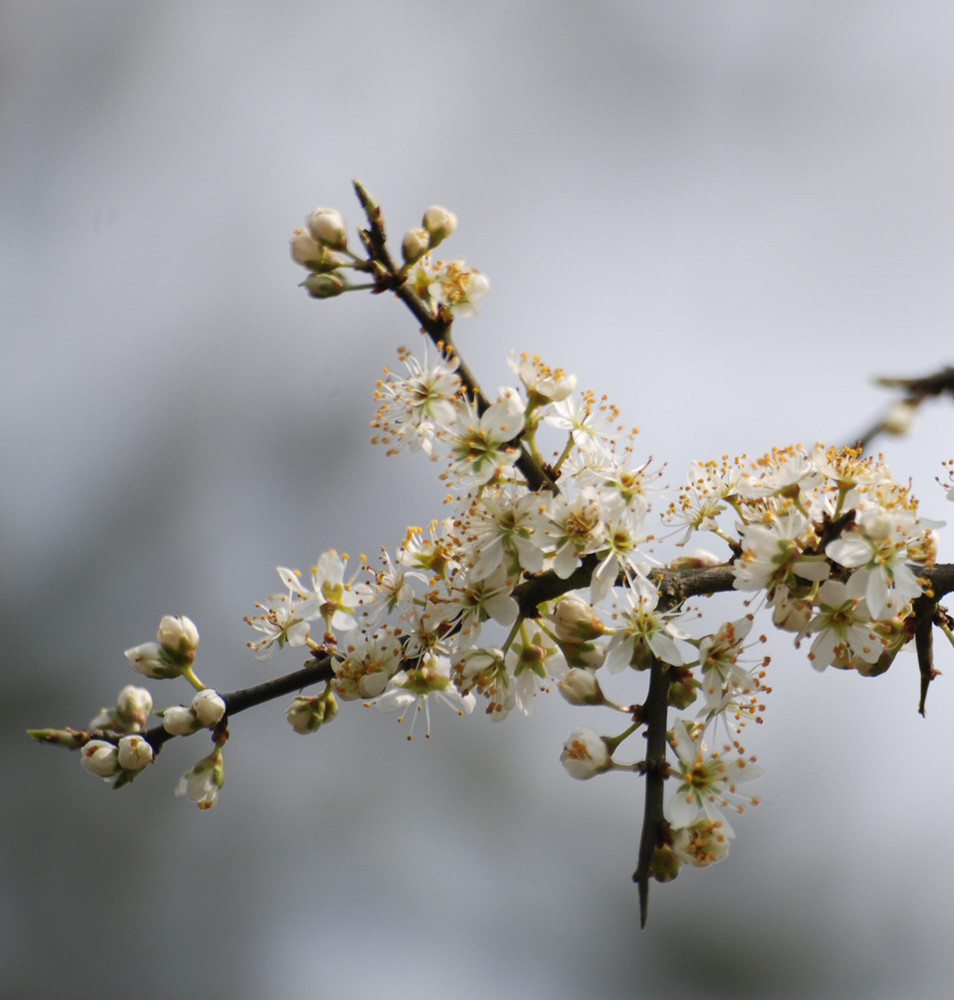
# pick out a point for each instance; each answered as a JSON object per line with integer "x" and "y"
{"x": 655, "y": 715}
{"x": 918, "y": 389}
{"x": 314, "y": 672}
{"x": 924, "y": 611}
{"x": 437, "y": 325}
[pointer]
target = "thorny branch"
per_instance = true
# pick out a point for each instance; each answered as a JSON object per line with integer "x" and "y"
{"x": 674, "y": 586}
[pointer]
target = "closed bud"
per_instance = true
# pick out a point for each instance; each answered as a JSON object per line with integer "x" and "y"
{"x": 301, "y": 716}
{"x": 308, "y": 252}
{"x": 416, "y": 243}
{"x": 324, "y": 286}
{"x": 108, "y": 718}
{"x": 178, "y": 720}
{"x": 209, "y": 707}
{"x": 665, "y": 864}
{"x": 894, "y": 633}
{"x": 575, "y": 621}
{"x": 580, "y": 687}
{"x": 439, "y": 224}
{"x": 179, "y": 637}
{"x": 327, "y": 226}
{"x": 880, "y": 666}
{"x": 133, "y": 706}
{"x": 153, "y": 660}
{"x": 683, "y": 687}
{"x": 134, "y": 753}
{"x": 696, "y": 560}
{"x": 899, "y": 418}
{"x": 307, "y": 715}
{"x": 305, "y": 248}
{"x": 100, "y": 758}
{"x": 642, "y": 658}
{"x": 789, "y": 613}
{"x": 586, "y": 655}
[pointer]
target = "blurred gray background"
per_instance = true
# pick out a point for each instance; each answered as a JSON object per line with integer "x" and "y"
{"x": 727, "y": 216}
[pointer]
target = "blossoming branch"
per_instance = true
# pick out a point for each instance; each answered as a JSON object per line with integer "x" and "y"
{"x": 543, "y": 575}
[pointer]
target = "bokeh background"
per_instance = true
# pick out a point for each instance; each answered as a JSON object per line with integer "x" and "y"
{"x": 727, "y": 216}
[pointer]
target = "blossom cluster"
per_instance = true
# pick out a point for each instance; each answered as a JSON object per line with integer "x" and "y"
{"x": 543, "y": 573}
{"x": 459, "y": 611}
{"x": 452, "y": 615}
{"x": 830, "y": 538}
{"x": 322, "y": 248}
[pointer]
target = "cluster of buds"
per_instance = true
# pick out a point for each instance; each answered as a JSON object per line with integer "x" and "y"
{"x": 435, "y": 227}
{"x": 121, "y": 752}
{"x": 322, "y": 248}
{"x": 173, "y": 652}
{"x": 117, "y": 747}
{"x": 307, "y": 714}
{"x": 117, "y": 763}
{"x": 204, "y": 711}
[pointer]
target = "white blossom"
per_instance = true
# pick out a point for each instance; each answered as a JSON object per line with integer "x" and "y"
{"x": 413, "y": 691}
{"x": 585, "y": 754}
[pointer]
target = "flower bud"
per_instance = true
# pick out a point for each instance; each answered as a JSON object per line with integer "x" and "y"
{"x": 788, "y": 613}
{"x": 683, "y": 688}
{"x": 209, "y": 707}
{"x": 302, "y": 717}
{"x": 305, "y": 248}
{"x": 108, "y": 718}
{"x": 306, "y": 715}
{"x": 439, "y": 224}
{"x": 880, "y": 666}
{"x": 308, "y": 252}
{"x": 585, "y": 655}
{"x": 151, "y": 659}
{"x": 580, "y": 687}
{"x": 698, "y": 559}
{"x": 894, "y": 634}
{"x": 575, "y": 621}
{"x": 585, "y": 754}
{"x": 327, "y": 226}
{"x": 178, "y": 720}
{"x": 134, "y": 753}
{"x": 323, "y": 286}
{"x": 133, "y": 706}
{"x": 642, "y": 658}
{"x": 100, "y": 758}
{"x": 416, "y": 243}
{"x": 179, "y": 637}
{"x": 899, "y": 418}
{"x": 665, "y": 864}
